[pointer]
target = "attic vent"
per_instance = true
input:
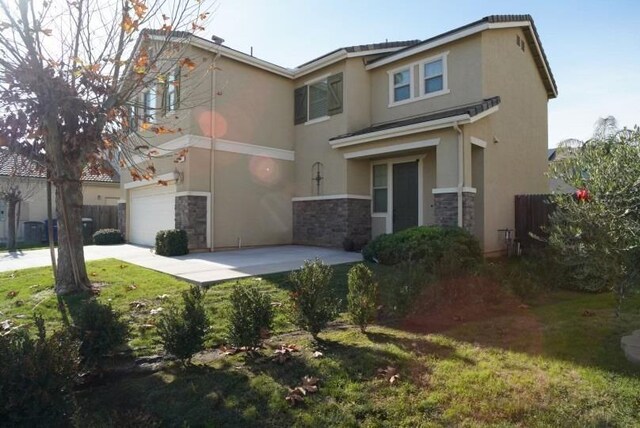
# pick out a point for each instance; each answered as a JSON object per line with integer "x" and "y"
{"x": 217, "y": 40}
{"x": 520, "y": 42}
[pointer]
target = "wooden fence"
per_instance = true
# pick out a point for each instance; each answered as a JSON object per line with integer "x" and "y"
{"x": 532, "y": 215}
{"x": 103, "y": 216}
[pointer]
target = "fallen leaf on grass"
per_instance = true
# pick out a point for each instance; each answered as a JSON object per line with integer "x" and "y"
{"x": 156, "y": 311}
{"x": 523, "y": 306}
{"x": 283, "y": 353}
{"x": 132, "y": 287}
{"x": 296, "y": 395}
{"x": 318, "y": 354}
{"x": 390, "y": 374}
{"x": 5, "y": 325}
{"x": 136, "y": 304}
{"x": 11, "y": 294}
{"x": 588, "y": 313}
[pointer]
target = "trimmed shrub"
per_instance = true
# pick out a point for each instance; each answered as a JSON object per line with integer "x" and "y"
{"x": 445, "y": 249}
{"x": 312, "y": 302}
{"x": 173, "y": 242}
{"x": 182, "y": 330}
{"x": 250, "y": 316}
{"x": 108, "y": 237}
{"x": 100, "y": 330}
{"x": 408, "y": 281}
{"x": 37, "y": 377}
{"x": 361, "y": 298}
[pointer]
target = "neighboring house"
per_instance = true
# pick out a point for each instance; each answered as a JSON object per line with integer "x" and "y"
{"x": 98, "y": 189}
{"x": 555, "y": 185}
{"x": 364, "y": 140}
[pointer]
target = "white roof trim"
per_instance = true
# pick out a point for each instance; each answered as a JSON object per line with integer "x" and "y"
{"x": 253, "y": 150}
{"x": 421, "y": 48}
{"x": 392, "y": 149}
{"x": 170, "y": 176}
{"x": 242, "y": 57}
{"x": 441, "y": 190}
{"x": 478, "y": 142}
{"x": 431, "y": 125}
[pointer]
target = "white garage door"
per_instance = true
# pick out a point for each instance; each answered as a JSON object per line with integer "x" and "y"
{"x": 152, "y": 209}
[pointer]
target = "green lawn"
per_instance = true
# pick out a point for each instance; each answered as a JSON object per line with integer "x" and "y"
{"x": 556, "y": 362}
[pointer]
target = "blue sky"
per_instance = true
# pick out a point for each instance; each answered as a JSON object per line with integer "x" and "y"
{"x": 593, "y": 46}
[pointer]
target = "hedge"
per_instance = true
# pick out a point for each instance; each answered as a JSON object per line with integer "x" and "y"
{"x": 173, "y": 242}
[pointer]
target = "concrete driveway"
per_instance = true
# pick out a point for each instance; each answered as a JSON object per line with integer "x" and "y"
{"x": 200, "y": 268}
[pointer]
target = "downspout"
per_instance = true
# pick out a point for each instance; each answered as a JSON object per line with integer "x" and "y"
{"x": 460, "y": 172}
{"x": 211, "y": 157}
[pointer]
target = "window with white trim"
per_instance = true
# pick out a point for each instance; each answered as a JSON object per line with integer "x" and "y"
{"x": 380, "y": 188}
{"x": 402, "y": 85}
{"x": 149, "y": 105}
{"x": 172, "y": 91}
{"x": 318, "y": 99}
{"x": 433, "y": 73}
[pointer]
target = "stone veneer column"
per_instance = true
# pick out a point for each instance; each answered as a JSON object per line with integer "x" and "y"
{"x": 191, "y": 216}
{"x": 327, "y": 222}
{"x": 122, "y": 218}
{"x": 445, "y": 208}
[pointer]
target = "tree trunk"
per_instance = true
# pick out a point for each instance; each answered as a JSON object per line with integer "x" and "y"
{"x": 71, "y": 273}
{"x": 11, "y": 217}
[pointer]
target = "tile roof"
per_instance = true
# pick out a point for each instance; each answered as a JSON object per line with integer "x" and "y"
{"x": 365, "y": 48}
{"x": 470, "y": 109}
{"x": 22, "y": 166}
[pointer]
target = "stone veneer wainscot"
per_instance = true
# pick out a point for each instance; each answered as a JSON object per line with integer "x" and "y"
{"x": 191, "y": 216}
{"x": 327, "y": 222}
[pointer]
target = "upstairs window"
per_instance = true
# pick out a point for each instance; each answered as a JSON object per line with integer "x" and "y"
{"x": 318, "y": 99}
{"x": 433, "y": 77}
{"x": 149, "y": 105}
{"x": 172, "y": 91}
{"x": 402, "y": 85}
{"x": 431, "y": 81}
{"x": 318, "y": 95}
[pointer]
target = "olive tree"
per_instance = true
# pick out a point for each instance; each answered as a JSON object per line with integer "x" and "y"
{"x": 596, "y": 231}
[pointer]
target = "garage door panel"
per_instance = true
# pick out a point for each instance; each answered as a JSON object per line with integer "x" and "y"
{"x": 152, "y": 209}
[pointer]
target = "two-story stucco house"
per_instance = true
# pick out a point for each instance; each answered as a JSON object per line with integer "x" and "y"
{"x": 362, "y": 141}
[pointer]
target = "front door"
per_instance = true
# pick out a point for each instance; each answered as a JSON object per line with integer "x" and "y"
{"x": 405, "y": 195}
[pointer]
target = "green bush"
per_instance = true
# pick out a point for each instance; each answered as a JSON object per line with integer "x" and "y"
{"x": 362, "y": 295}
{"x": 312, "y": 302}
{"x": 100, "y": 330}
{"x": 408, "y": 281}
{"x": 250, "y": 316}
{"x": 108, "y": 237}
{"x": 182, "y": 330}
{"x": 436, "y": 248}
{"x": 37, "y": 378}
{"x": 172, "y": 242}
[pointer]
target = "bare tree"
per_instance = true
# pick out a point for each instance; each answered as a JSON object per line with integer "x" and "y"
{"x": 68, "y": 74}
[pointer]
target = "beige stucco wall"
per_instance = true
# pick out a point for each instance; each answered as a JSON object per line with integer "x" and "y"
{"x": 252, "y": 200}
{"x": 464, "y": 64}
{"x": 517, "y": 162}
{"x": 253, "y": 106}
{"x": 100, "y": 193}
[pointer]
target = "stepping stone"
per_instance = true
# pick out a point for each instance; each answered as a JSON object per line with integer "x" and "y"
{"x": 631, "y": 346}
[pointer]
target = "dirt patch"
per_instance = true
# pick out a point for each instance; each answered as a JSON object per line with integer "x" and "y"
{"x": 477, "y": 310}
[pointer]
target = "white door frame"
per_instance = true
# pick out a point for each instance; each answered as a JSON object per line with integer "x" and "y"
{"x": 390, "y": 162}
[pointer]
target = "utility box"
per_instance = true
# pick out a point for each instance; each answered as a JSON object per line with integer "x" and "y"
{"x": 45, "y": 232}
{"x": 32, "y": 231}
{"x": 87, "y": 231}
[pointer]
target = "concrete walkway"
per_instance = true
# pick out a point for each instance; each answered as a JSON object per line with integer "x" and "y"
{"x": 200, "y": 268}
